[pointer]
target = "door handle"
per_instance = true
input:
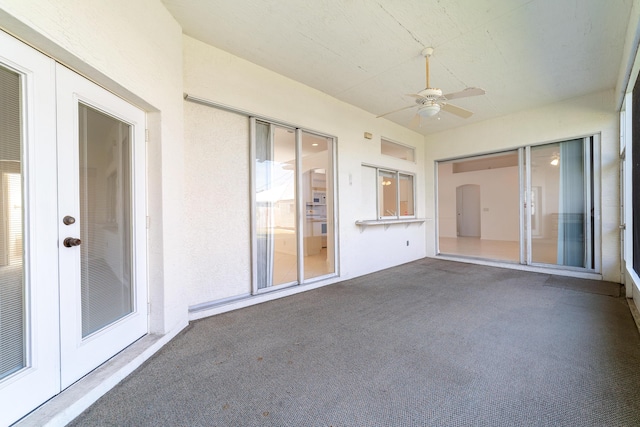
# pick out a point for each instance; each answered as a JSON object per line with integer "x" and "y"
{"x": 70, "y": 242}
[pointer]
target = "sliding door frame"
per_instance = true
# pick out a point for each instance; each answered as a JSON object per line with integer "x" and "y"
{"x": 299, "y": 205}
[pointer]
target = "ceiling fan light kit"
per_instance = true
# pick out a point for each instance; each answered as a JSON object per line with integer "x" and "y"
{"x": 429, "y": 110}
{"x": 431, "y": 100}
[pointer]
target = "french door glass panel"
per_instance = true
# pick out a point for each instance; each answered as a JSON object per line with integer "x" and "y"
{"x": 293, "y": 205}
{"x": 12, "y": 285}
{"x": 105, "y": 218}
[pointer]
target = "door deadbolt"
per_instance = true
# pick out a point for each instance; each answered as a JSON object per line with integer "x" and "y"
{"x": 70, "y": 242}
{"x": 68, "y": 220}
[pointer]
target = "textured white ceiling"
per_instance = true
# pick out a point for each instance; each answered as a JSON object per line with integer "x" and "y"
{"x": 524, "y": 53}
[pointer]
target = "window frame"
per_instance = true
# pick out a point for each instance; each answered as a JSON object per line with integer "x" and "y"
{"x": 399, "y": 145}
{"x": 397, "y": 174}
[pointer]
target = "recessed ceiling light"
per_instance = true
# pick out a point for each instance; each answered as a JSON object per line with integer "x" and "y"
{"x": 315, "y": 144}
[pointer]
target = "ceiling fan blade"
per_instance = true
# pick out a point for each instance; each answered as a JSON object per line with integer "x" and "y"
{"x": 415, "y": 122}
{"x": 395, "y": 111}
{"x": 458, "y": 111}
{"x": 414, "y": 95}
{"x": 470, "y": 91}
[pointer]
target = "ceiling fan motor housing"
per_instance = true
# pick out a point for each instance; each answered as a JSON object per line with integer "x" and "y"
{"x": 429, "y": 94}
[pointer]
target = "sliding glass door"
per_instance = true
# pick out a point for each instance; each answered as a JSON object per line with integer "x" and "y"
{"x": 561, "y": 199}
{"x": 536, "y": 205}
{"x": 275, "y": 205}
{"x": 478, "y": 206}
{"x": 293, "y": 205}
{"x": 316, "y": 155}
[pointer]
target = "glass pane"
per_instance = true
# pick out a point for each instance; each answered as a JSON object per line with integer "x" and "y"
{"x": 399, "y": 151}
{"x": 105, "y": 219}
{"x": 277, "y": 245}
{"x": 318, "y": 203}
{"x": 388, "y": 191}
{"x": 558, "y": 209}
{"x": 479, "y": 207}
{"x": 406, "y": 195}
{"x": 12, "y": 287}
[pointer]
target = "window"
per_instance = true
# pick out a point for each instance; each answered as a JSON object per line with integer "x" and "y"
{"x": 393, "y": 195}
{"x": 405, "y": 195}
{"x": 400, "y": 151}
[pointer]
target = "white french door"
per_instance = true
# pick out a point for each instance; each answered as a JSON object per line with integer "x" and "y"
{"x": 100, "y": 203}
{"x": 72, "y": 227}
{"x": 29, "y": 362}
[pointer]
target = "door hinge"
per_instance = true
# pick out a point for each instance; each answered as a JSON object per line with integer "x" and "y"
{"x": 148, "y": 222}
{"x": 146, "y": 135}
{"x": 623, "y": 227}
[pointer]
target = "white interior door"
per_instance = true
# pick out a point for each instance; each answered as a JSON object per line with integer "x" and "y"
{"x": 468, "y": 210}
{"x": 29, "y": 333}
{"x": 101, "y": 223}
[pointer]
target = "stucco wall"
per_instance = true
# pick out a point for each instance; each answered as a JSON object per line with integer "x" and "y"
{"x": 587, "y": 115}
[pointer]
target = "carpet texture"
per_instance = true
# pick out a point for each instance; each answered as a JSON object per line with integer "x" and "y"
{"x": 429, "y": 343}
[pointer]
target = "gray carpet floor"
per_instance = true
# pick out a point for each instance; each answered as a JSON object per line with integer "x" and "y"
{"x": 429, "y": 343}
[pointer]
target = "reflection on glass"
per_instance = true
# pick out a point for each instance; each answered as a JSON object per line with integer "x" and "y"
{"x": 105, "y": 219}
{"x": 12, "y": 286}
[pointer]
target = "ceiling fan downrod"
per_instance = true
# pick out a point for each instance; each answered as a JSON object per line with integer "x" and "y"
{"x": 427, "y": 52}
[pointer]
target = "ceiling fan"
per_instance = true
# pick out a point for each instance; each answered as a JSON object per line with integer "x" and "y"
{"x": 430, "y": 101}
